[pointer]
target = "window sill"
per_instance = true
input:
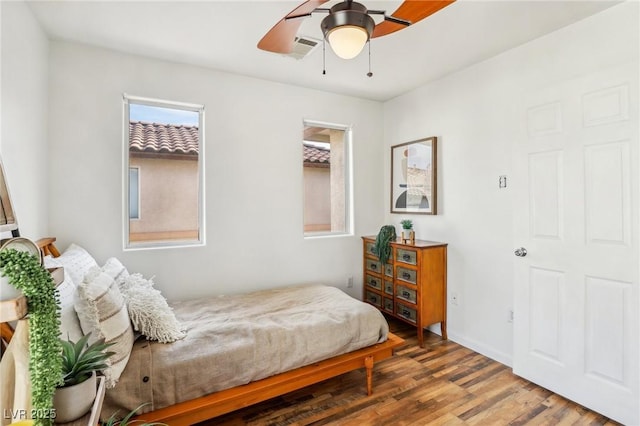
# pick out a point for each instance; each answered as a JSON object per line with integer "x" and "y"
{"x": 319, "y": 235}
{"x": 163, "y": 245}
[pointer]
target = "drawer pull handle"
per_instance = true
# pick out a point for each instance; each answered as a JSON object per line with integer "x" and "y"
{"x": 406, "y": 257}
{"x": 406, "y": 293}
{"x": 406, "y": 313}
{"x": 372, "y": 283}
{"x": 406, "y": 275}
{"x": 373, "y": 266}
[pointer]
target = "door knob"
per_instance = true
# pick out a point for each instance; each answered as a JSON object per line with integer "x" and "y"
{"x": 521, "y": 252}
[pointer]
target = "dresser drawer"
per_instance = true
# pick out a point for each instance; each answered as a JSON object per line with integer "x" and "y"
{"x": 373, "y": 282}
{"x": 406, "y": 312}
{"x": 388, "y": 305}
{"x": 405, "y": 293}
{"x": 368, "y": 248}
{"x": 374, "y": 298}
{"x": 388, "y": 270}
{"x": 407, "y": 256}
{"x": 388, "y": 287}
{"x": 373, "y": 266}
{"x": 405, "y": 274}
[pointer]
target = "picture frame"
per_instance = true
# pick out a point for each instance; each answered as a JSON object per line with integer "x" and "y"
{"x": 414, "y": 185}
{"x": 8, "y": 220}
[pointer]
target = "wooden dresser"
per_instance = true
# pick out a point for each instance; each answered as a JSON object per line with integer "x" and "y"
{"x": 411, "y": 286}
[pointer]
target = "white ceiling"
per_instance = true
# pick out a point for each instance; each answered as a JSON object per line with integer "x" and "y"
{"x": 223, "y": 35}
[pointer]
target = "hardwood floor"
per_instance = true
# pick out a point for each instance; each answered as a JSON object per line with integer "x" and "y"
{"x": 441, "y": 384}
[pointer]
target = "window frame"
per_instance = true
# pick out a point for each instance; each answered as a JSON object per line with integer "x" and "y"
{"x": 137, "y": 169}
{"x": 201, "y": 240}
{"x": 348, "y": 185}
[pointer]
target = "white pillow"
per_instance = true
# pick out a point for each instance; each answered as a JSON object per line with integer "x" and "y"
{"x": 70, "y": 328}
{"x": 149, "y": 311}
{"x": 69, "y": 323}
{"x": 77, "y": 262}
{"x": 103, "y": 313}
{"x": 116, "y": 270}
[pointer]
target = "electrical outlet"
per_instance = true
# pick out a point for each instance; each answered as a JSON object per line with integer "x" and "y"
{"x": 510, "y": 316}
{"x": 454, "y": 298}
{"x": 350, "y": 282}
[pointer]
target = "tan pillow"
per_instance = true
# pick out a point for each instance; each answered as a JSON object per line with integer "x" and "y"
{"x": 103, "y": 313}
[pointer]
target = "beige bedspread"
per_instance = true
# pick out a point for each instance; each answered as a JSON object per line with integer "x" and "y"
{"x": 233, "y": 340}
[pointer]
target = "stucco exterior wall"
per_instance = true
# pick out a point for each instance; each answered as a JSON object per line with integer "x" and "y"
{"x": 168, "y": 199}
{"x": 317, "y": 190}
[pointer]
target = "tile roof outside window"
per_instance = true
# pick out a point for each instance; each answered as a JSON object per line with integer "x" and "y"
{"x": 316, "y": 155}
{"x": 163, "y": 138}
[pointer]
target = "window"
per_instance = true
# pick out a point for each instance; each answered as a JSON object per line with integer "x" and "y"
{"x": 134, "y": 193}
{"x": 327, "y": 179}
{"x": 164, "y": 168}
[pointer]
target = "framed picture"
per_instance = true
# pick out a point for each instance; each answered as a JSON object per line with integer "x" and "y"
{"x": 8, "y": 220}
{"x": 413, "y": 177}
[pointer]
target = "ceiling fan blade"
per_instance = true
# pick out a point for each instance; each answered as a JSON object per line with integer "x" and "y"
{"x": 280, "y": 38}
{"x": 412, "y": 11}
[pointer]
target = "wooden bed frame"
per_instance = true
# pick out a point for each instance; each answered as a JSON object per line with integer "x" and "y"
{"x": 226, "y": 401}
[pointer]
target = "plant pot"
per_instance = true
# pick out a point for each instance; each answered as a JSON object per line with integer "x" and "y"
{"x": 408, "y": 236}
{"x": 7, "y": 291}
{"x": 73, "y": 402}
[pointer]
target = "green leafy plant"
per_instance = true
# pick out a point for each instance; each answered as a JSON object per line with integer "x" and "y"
{"x": 80, "y": 360}
{"x": 382, "y": 248}
{"x": 406, "y": 224}
{"x": 25, "y": 273}
{"x": 126, "y": 421}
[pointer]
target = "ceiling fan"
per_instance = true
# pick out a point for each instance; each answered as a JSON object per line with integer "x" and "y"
{"x": 348, "y": 25}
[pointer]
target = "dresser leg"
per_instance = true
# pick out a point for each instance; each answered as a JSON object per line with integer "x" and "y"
{"x": 443, "y": 330}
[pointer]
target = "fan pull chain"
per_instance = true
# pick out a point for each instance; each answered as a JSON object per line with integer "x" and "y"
{"x": 369, "y": 74}
{"x": 324, "y": 57}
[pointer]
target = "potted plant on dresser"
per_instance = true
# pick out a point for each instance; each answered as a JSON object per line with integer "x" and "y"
{"x": 408, "y": 236}
{"x": 75, "y": 396}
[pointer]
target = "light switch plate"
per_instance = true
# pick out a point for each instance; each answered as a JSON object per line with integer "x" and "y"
{"x": 502, "y": 181}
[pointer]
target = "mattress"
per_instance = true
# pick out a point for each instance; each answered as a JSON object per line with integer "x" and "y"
{"x": 234, "y": 340}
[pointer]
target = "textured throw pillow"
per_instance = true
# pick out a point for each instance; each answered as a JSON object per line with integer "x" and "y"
{"x": 103, "y": 313}
{"x": 69, "y": 323}
{"x": 70, "y": 328}
{"x": 116, "y": 270}
{"x": 149, "y": 311}
{"x": 77, "y": 262}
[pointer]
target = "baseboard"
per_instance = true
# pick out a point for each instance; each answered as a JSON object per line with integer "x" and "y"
{"x": 485, "y": 350}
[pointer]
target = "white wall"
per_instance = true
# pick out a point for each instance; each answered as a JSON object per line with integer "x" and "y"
{"x": 474, "y": 114}
{"x": 23, "y": 134}
{"x": 256, "y": 125}
{"x": 254, "y": 225}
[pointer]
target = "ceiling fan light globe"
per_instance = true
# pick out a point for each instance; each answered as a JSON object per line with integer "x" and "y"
{"x": 347, "y": 41}
{"x": 347, "y": 28}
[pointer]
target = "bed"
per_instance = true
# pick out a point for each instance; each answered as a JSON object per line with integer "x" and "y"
{"x": 243, "y": 349}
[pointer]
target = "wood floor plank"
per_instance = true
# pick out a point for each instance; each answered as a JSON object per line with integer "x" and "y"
{"x": 441, "y": 384}
{"x": 503, "y": 411}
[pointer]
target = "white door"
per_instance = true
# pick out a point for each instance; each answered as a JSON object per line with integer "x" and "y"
{"x": 576, "y": 319}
